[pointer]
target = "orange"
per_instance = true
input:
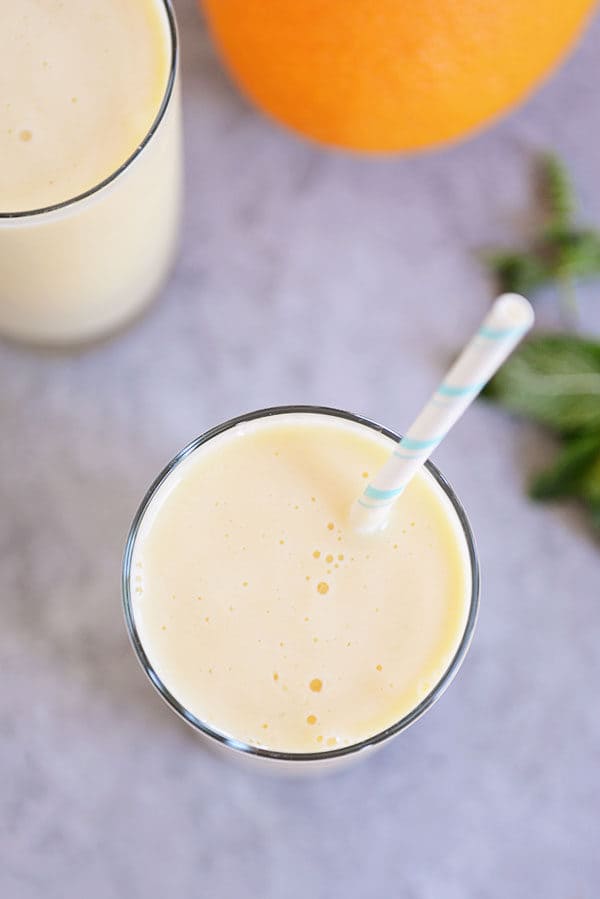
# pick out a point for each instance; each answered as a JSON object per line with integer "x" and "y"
{"x": 391, "y": 74}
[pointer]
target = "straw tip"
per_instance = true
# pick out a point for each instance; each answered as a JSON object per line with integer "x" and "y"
{"x": 514, "y": 311}
{"x": 365, "y": 520}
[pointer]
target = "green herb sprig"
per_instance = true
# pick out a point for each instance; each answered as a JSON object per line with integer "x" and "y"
{"x": 554, "y": 379}
{"x": 562, "y": 254}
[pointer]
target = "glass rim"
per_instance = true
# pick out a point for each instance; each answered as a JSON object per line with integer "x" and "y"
{"x": 164, "y": 105}
{"x": 239, "y": 745}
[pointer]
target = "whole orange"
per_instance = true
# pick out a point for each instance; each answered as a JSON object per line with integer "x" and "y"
{"x": 391, "y": 74}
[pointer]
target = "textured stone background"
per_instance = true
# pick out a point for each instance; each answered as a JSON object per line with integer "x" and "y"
{"x": 304, "y": 276}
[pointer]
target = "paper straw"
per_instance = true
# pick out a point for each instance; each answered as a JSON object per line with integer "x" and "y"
{"x": 509, "y": 319}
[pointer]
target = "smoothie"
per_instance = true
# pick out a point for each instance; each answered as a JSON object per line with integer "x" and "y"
{"x": 81, "y": 86}
{"x": 266, "y": 616}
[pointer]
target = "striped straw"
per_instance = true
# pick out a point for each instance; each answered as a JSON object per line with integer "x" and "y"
{"x": 509, "y": 319}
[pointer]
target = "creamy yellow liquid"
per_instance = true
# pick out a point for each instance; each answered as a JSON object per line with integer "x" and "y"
{"x": 267, "y": 617}
{"x": 81, "y": 83}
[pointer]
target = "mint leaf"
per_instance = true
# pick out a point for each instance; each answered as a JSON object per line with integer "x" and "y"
{"x": 518, "y": 272}
{"x": 558, "y": 191}
{"x": 589, "y": 488}
{"x": 554, "y": 380}
{"x": 573, "y": 471}
{"x": 576, "y": 253}
{"x": 594, "y": 510}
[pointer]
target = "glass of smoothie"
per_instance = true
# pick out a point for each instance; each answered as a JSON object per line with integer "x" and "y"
{"x": 90, "y": 172}
{"x": 267, "y": 622}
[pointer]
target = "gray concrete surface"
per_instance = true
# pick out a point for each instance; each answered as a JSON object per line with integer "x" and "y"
{"x": 304, "y": 276}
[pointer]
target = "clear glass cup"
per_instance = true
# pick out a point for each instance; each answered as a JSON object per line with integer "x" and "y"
{"x": 79, "y": 269}
{"x": 296, "y": 762}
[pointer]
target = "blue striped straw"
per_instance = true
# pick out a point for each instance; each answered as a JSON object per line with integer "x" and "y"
{"x": 509, "y": 319}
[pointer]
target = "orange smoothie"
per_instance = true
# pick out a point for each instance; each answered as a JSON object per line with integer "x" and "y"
{"x": 82, "y": 84}
{"x": 267, "y": 617}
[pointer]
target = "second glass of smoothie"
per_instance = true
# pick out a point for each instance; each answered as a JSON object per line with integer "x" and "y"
{"x": 91, "y": 170}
